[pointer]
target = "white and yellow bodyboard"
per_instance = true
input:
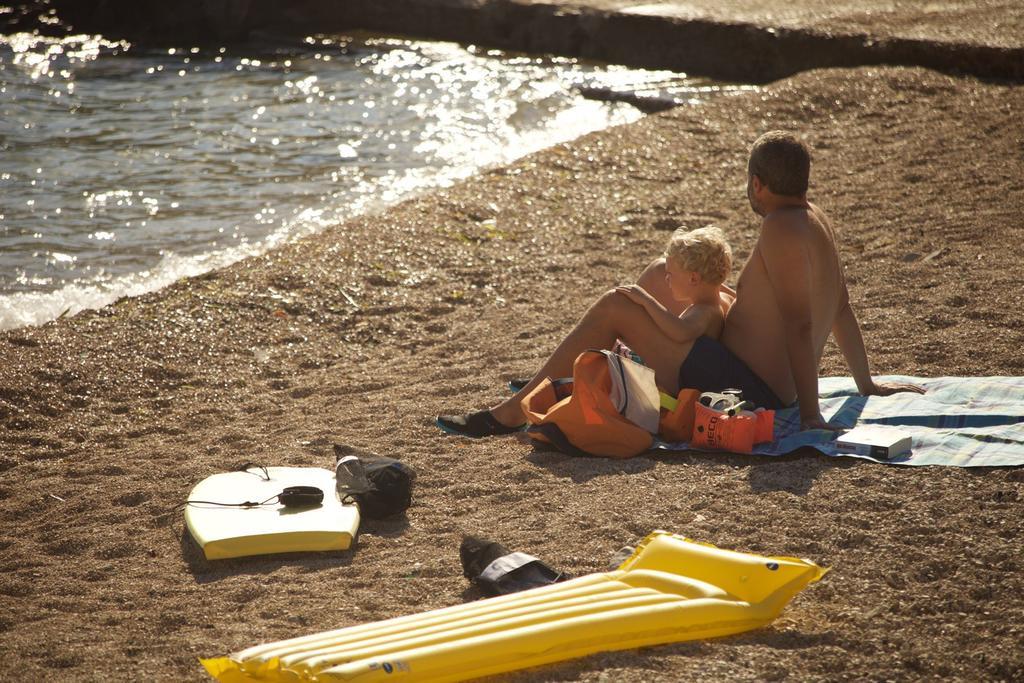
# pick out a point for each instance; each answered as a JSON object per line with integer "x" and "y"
{"x": 224, "y": 531}
{"x": 671, "y": 589}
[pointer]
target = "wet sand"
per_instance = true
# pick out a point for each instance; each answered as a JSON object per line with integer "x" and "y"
{"x": 362, "y": 334}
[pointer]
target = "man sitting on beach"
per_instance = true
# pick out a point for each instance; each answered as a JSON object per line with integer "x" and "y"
{"x": 791, "y": 294}
{"x": 694, "y": 267}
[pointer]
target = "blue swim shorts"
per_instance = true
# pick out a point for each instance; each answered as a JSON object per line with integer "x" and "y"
{"x": 710, "y": 366}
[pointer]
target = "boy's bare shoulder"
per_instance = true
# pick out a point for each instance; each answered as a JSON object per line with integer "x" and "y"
{"x": 710, "y": 317}
{"x": 694, "y": 311}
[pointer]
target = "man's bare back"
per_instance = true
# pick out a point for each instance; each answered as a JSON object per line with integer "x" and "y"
{"x": 795, "y": 255}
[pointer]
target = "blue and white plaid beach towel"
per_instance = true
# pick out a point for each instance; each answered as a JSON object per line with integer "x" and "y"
{"x": 959, "y": 422}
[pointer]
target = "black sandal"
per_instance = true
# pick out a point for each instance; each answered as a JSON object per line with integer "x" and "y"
{"x": 475, "y": 425}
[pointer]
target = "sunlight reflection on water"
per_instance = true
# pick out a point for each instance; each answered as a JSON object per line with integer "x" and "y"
{"x": 122, "y": 170}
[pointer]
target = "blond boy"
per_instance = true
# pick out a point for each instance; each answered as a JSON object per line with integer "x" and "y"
{"x": 696, "y": 263}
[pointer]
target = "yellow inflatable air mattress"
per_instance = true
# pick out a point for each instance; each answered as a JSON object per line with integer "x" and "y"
{"x": 671, "y": 589}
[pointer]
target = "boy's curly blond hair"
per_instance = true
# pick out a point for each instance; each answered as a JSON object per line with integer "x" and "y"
{"x": 703, "y": 251}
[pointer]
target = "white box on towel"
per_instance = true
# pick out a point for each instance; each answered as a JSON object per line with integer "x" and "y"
{"x": 876, "y": 441}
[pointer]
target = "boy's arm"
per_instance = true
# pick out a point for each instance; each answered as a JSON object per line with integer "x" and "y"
{"x": 694, "y": 321}
{"x": 846, "y": 331}
{"x": 789, "y": 270}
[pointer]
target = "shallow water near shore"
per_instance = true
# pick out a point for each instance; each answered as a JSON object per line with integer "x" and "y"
{"x": 125, "y": 169}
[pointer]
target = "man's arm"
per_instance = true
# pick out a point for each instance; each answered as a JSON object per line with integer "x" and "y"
{"x": 789, "y": 270}
{"x": 846, "y": 331}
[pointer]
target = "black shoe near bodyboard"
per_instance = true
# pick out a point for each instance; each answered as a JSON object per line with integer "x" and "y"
{"x": 475, "y": 425}
{"x": 381, "y": 486}
{"x": 497, "y": 571}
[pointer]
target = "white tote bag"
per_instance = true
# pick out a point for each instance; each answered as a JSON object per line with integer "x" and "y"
{"x": 634, "y": 392}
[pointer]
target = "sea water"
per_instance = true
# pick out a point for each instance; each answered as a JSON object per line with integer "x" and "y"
{"x": 123, "y": 169}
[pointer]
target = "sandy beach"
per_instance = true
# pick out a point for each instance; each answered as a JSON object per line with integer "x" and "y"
{"x": 363, "y": 333}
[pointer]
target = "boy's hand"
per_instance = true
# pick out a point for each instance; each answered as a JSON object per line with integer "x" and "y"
{"x": 889, "y": 388}
{"x": 635, "y": 293}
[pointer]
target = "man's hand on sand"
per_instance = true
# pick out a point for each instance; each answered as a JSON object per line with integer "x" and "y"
{"x": 889, "y": 388}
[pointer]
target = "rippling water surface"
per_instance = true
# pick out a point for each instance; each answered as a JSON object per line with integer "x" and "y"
{"x": 124, "y": 169}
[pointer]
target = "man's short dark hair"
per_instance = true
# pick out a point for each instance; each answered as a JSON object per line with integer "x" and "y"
{"x": 782, "y": 162}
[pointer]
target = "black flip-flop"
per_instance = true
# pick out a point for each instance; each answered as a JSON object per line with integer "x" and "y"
{"x": 475, "y": 425}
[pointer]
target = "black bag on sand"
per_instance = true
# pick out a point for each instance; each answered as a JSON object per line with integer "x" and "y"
{"x": 498, "y": 572}
{"x": 382, "y": 487}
